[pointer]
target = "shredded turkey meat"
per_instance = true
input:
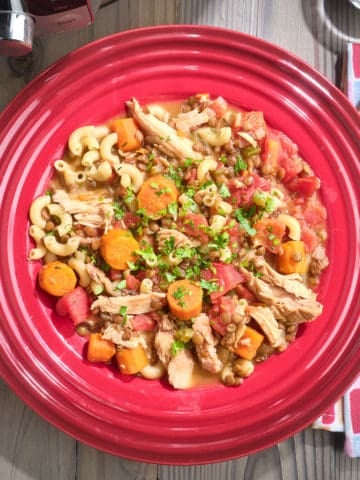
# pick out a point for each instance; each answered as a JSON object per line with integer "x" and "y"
{"x": 264, "y": 317}
{"x": 185, "y": 122}
{"x": 92, "y": 213}
{"x": 180, "y": 370}
{"x": 121, "y": 337}
{"x": 164, "y": 338}
{"x": 206, "y": 350}
{"x": 180, "y": 240}
{"x": 135, "y": 304}
{"x": 166, "y": 137}
{"x": 285, "y": 306}
{"x": 100, "y": 277}
{"x": 291, "y": 283}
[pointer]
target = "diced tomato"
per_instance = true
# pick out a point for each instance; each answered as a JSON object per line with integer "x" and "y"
{"x": 280, "y": 152}
{"x": 219, "y": 105}
{"x": 236, "y": 235}
{"x": 292, "y": 166}
{"x": 75, "y": 304}
{"x": 226, "y": 276}
{"x": 269, "y": 233}
{"x": 132, "y": 283}
{"x": 309, "y": 237}
{"x": 244, "y": 292}
{"x": 314, "y": 214}
{"x": 217, "y": 324}
{"x": 131, "y": 220}
{"x": 195, "y": 225}
{"x": 243, "y": 195}
{"x": 288, "y": 146}
{"x": 222, "y": 305}
{"x": 304, "y": 186}
{"x": 234, "y": 229}
{"x": 143, "y": 322}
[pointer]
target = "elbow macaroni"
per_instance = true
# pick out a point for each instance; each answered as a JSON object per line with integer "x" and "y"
{"x": 102, "y": 173}
{"x": 36, "y": 210}
{"x": 146, "y": 285}
{"x": 61, "y": 249}
{"x": 217, "y": 223}
{"x": 75, "y": 144}
{"x": 79, "y": 266}
{"x": 215, "y": 137}
{"x": 222, "y": 207}
{"x": 204, "y": 168}
{"x": 130, "y": 176}
{"x": 70, "y": 176}
{"x": 65, "y": 219}
{"x": 292, "y": 224}
{"x": 106, "y": 147}
{"x": 36, "y": 233}
{"x": 90, "y": 158}
{"x": 37, "y": 253}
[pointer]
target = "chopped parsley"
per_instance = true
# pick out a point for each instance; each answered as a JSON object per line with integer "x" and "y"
{"x": 224, "y": 192}
{"x": 169, "y": 277}
{"x": 129, "y": 196}
{"x": 180, "y": 294}
{"x": 176, "y": 175}
{"x": 185, "y": 252}
{"x": 221, "y": 240}
{"x": 123, "y": 314}
{"x": 265, "y": 201}
{"x": 120, "y": 285}
{"x": 188, "y": 162}
{"x": 176, "y": 347}
{"x": 147, "y": 253}
{"x": 118, "y": 211}
{"x": 210, "y": 286}
{"x": 105, "y": 267}
{"x": 169, "y": 245}
{"x": 173, "y": 209}
{"x": 240, "y": 164}
{"x": 241, "y": 217}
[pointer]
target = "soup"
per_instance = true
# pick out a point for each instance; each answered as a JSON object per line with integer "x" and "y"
{"x": 184, "y": 241}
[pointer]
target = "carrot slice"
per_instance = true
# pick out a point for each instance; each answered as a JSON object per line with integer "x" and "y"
{"x": 249, "y": 343}
{"x": 99, "y": 349}
{"x": 185, "y": 299}
{"x": 57, "y": 278}
{"x": 117, "y": 247}
{"x": 129, "y": 135}
{"x": 293, "y": 257}
{"x": 131, "y": 360}
{"x": 156, "y": 194}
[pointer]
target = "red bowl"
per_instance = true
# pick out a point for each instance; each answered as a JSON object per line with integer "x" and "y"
{"x": 41, "y": 358}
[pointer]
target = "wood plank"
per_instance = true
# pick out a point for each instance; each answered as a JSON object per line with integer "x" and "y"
{"x": 309, "y": 455}
{"x": 94, "y": 465}
{"x": 30, "y": 448}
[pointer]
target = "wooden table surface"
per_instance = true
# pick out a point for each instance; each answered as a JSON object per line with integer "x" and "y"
{"x": 316, "y": 31}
